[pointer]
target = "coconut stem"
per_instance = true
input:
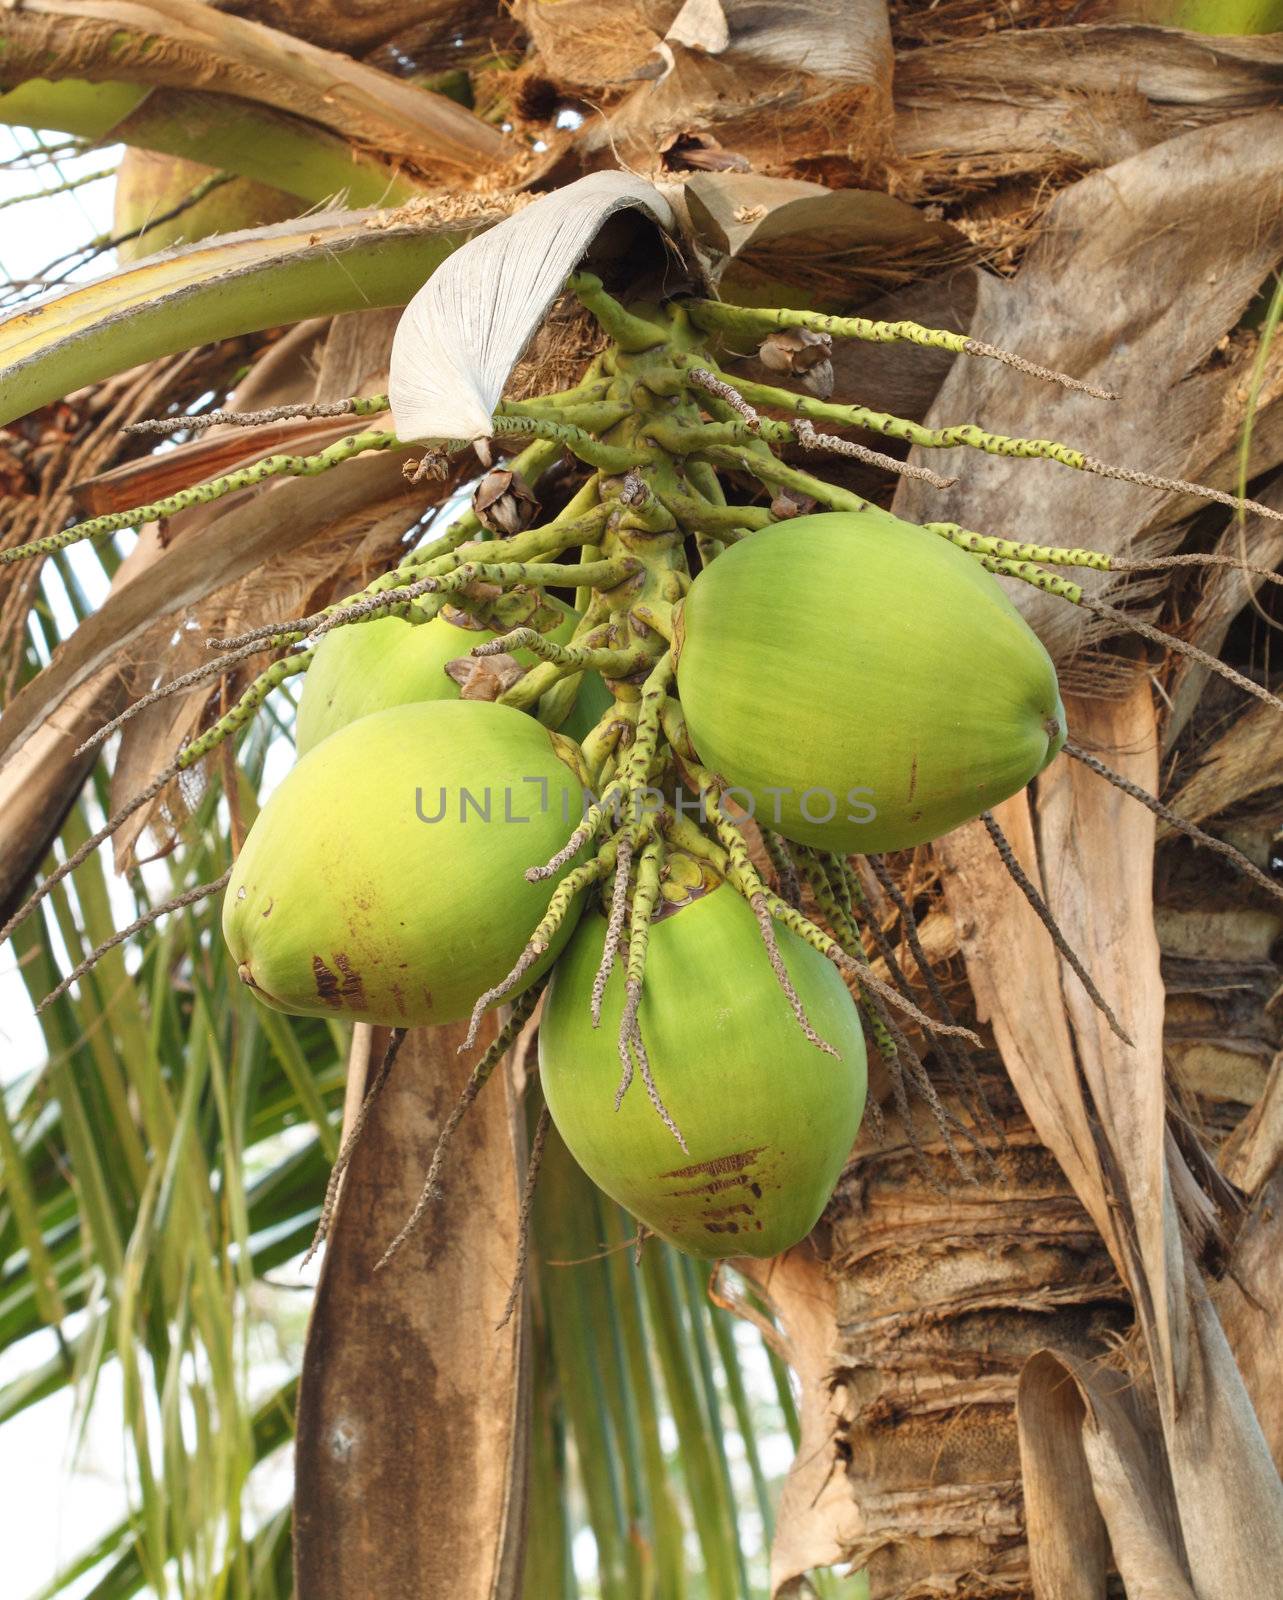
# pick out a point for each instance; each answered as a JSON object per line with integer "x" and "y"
{"x": 1206, "y": 841}
{"x": 242, "y": 712}
{"x": 645, "y": 894}
{"x": 716, "y": 317}
{"x": 187, "y": 898}
{"x": 974, "y": 1092}
{"x": 533, "y": 1164}
{"x": 353, "y": 406}
{"x": 395, "y": 1040}
{"x": 767, "y": 925}
{"x": 278, "y": 466}
{"x": 1043, "y": 911}
{"x": 573, "y": 658}
{"x": 563, "y": 898}
{"x": 614, "y": 925}
{"x": 90, "y": 845}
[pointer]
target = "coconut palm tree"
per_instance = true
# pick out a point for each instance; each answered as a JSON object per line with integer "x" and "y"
{"x": 1032, "y": 1338}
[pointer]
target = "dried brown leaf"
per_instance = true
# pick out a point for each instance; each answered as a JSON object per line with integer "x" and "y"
{"x": 817, "y": 1521}
{"x": 1087, "y": 1466}
{"x": 411, "y": 1427}
{"x": 1010, "y": 103}
{"x": 795, "y": 79}
{"x": 183, "y": 44}
{"x": 1129, "y": 287}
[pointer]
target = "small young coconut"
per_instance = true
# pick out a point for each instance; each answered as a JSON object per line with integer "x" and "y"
{"x": 383, "y": 880}
{"x": 369, "y": 666}
{"x": 861, "y": 683}
{"x": 768, "y": 1117}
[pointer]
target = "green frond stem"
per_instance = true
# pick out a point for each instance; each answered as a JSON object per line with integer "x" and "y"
{"x": 630, "y": 332}
{"x": 785, "y": 868}
{"x": 522, "y": 1010}
{"x": 589, "y": 416}
{"x": 981, "y": 544}
{"x": 708, "y": 490}
{"x": 606, "y": 457}
{"x": 995, "y": 444}
{"x": 610, "y": 663}
{"x": 766, "y": 926}
{"x": 915, "y": 433}
{"x": 614, "y": 922}
{"x": 714, "y": 317}
{"x": 645, "y": 898}
{"x": 723, "y": 521}
{"x": 673, "y": 722}
{"x": 243, "y": 711}
{"x": 353, "y": 406}
{"x": 602, "y": 743}
{"x": 592, "y": 387}
{"x": 657, "y": 615}
{"x": 587, "y": 830}
{"x": 768, "y": 470}
{"x": 1027, "y": 572}
{"x": 631, "y": 1043}
{"x": 548, "y": 540}
{"x": 279, "y": 466}
{"x": 705, "y": 482}
{"x": 554, "y": 705}
{"x": 654, "y": 692}
{"x": 685, "y": 835}
{"x": 606, "y": 574}
{"x": 563, "y": 897}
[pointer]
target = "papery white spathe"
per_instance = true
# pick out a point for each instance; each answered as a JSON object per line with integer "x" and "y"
{"x": 465, "y": 330}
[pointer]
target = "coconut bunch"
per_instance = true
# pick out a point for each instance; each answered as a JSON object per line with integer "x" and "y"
{"x": 629, "y": 756}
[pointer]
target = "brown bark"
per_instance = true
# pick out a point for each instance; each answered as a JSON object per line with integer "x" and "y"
{"x": 412, "y": 1425}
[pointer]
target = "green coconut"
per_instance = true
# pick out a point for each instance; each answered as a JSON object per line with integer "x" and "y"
{"x": 383, "y": 880}
{"x": 369, "y": 666}
{"x": 862, "y": 683}
{"x": 768, "y": 1117}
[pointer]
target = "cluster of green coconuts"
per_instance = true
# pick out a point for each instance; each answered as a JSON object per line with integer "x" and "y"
{"x": 857, "y": 683}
